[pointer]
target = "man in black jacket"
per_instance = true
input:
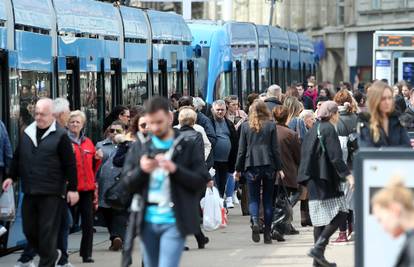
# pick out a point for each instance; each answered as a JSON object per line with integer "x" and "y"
{"x": 273, "y": 97}
{"x": 45, "y": 162}
{"x": 169, "y": 175}
{"x": 225, "y": 150}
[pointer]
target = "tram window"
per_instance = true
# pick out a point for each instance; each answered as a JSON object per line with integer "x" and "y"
{"x": 156, "y": 84}
{"x": 136, "y": 92}
{"x": 108, "y": 94}
{"x": 172, "y": 82}
{"x": 62, "y": 85}
{"x": 265, "y": 81}
{"x": 222, "y": 87}
{"x": 88, "y": 103}
{"x": 186, "y": 89}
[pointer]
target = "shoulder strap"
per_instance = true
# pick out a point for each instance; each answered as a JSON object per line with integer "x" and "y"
{"x": 320, "y": 137}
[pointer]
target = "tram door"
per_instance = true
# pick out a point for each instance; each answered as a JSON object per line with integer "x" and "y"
{"x": 116, "y": 81}
{"x": 190, "y": 78}
{"x": 256, "y": 76}
{"x": 163, "y": 77}
{"x": 239, "y": 83}
{"x": 73, "y": 82}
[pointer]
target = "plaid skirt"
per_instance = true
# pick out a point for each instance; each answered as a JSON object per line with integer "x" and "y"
{"x": 322, "y": 212}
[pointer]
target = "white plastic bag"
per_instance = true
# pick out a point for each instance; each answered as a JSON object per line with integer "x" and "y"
{"x": 212, "y": 205}
{"x": 7, "y": 206}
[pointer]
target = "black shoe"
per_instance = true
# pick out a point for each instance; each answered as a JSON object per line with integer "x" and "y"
{"x": 277, "y": 236}
{"x": 318, "y": 251}
{"x": 255, "y": 230}
{"x": 186, "y": 248}
{"x": 203, "y": 243}
{"x": 267, "y": 237}
{"x": 88, "y": 260}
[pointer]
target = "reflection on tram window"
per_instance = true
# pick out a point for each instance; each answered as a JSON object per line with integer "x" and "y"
{"x": 108, "y": 94}
{"x": 186, "y": 90}
{"x": 223, "y": 85}
{"x": 136, "y": 92}
{"x": 88, "y": 101}
{"x": 32, "y": 86}
{"x": 172, "y": 83}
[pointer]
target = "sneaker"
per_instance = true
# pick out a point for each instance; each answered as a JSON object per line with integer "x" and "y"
{"x": 235, "y": 198}
{"x": 25, "y": 264}
{"x": 341, "y": 240}
{"x": 3, "y": 230}
{"x": 229, "y": 203}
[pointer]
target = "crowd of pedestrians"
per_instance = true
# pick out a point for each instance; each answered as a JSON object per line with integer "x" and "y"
{"x": 300, "y": 141}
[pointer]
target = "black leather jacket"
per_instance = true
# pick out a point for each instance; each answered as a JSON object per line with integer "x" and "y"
{"x": 186, "y": 183}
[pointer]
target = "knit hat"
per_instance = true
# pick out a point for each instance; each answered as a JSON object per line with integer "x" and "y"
{"x": 327, "y": 110}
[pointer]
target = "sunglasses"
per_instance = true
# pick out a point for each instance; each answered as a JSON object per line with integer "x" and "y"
{"x": 143, "y": 125}
{"x": 115, "y": 130}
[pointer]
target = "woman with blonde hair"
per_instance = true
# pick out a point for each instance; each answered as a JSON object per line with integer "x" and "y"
{"x": 295, "y": 107}
{"x": 258, "y": 157}
{"x": 381, "y": 127}
{"x": 394, "y": 209}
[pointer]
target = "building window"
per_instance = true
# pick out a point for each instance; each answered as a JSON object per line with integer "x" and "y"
{"x": 376, "y": 4}
{"x": 340, "y": 18}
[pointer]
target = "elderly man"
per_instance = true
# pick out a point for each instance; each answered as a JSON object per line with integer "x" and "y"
{"x": 61, "y": 111}
{"x": 45, "y": 162}
{"x": 225, "y": 150}
{"x": 273, "y": 97}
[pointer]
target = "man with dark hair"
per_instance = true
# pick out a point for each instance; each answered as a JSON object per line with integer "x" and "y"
{"x": 174, "y": 98}
{"x": 169, "y": 175}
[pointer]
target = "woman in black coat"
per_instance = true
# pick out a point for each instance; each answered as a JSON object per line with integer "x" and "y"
{"x": 259, "y": 158}
{"x": 322, "y": 169}
{"x": 381, "y": 127}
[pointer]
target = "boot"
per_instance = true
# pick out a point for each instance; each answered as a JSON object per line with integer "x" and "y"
{"x": 350, "y": 229}
{"x": 342, "y": 239}
{"x": 267, "y": 236}
{"x": 255, "y": 230}
{"x": 292, "y": 230}
{"x": 318, "y": 251}
{"x": 276, "y": 235}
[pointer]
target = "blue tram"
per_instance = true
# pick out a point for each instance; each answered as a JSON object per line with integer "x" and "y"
{"x": 240, "y": 58}
{"x": 100, "y": 55}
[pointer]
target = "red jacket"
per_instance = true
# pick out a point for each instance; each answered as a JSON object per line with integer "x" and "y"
{"x": 85, "y": 153}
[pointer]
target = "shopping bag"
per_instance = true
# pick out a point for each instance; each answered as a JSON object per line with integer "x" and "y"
{"x": 282, "y": 212}
{"x": 212, "y": 206}
{"x": 224, "y": 218}
{"x": 7, "y": 205}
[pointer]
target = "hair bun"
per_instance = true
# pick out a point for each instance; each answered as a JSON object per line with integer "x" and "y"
{"x": 396, "y": 181}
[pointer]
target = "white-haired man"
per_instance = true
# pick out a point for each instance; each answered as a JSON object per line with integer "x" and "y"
{"x": 273, "y": 97}
{"x": 61, "y": 111}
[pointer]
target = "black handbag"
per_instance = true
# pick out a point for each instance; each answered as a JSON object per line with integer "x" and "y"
{"x": 282, "y": 212}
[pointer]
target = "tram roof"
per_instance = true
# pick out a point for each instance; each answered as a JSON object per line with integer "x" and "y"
{"x": 3, "y": 15}
{"x": 305, "y": 43}
{"x": 135, "y": 25}
{"x": 168, "y": 26}
{"x": 86, "y": 16}
{"x": 279, "y": 37}
{"x": 35, "y": 13}
{"x": 263, "y": 33}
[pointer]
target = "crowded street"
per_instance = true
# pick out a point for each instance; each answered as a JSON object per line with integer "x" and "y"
{"x": 229, "y": 247}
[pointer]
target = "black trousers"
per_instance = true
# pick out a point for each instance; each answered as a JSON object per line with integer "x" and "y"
{"x": 222, "y": 170}
{"x": 85, "y": 207}
{"x": 42, "y": 216}
{"x": 116, "y": 222}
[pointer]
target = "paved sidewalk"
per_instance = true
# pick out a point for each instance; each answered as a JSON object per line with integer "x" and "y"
{"x": 228, "y": 247}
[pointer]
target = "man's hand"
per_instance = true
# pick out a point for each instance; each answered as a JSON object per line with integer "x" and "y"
{"x": 147, "y": 164}
{"x": 72, "y": 197}
{"x": 7, "y": 183}
{"x": 166, "y": 164}
{"x": 236, "y": 176}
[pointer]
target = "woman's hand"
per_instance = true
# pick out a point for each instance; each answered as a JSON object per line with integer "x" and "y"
{"x": 282, "y": 175}
{"x": 351, "y": 180}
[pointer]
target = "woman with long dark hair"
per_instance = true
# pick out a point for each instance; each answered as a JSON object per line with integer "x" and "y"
{"x": 322, "y": 169}
{"x": 259, "y": 158}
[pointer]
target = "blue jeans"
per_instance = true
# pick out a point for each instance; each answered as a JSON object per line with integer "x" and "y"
{"x": 257, "y": 178}
{"x": 161, "y": 245}
{"x": 231, "y": 183}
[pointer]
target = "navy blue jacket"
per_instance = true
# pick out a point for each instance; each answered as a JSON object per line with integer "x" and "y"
{"x": 6, "y": 152}
{"x": 397, "y": 134}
